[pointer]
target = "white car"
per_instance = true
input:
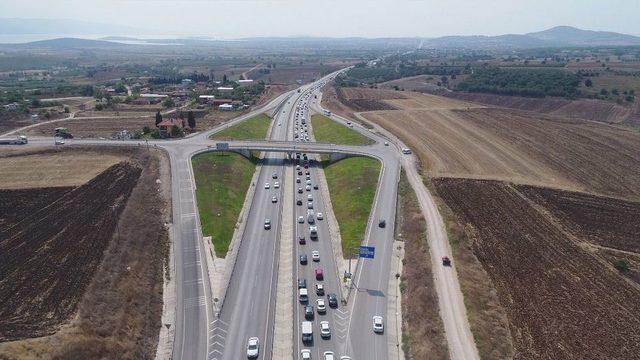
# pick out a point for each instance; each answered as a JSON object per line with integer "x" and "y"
{"x": 300, "y": 219}
{"x": 378, "y": 324}
{"x": 321, "y": 306}
{"x": 308, "y": 181}
{"x": 325, "y": 330}
{"x": 328, "y": 355}
{"x": 315, "y": 255}
{"x": 305, "y": 354}
{"x": 267, "y": 185}
{"x": 253, "y": 348}
{"x": 274, "y": 199}
{"x": 309, "y": 197}
{"x": 276, "y": 185}
{"x": 308, "y": 188}
{"x": 59, "y": 142}
{"x": 345, "y": 357}
{"x": 320, "y": 216}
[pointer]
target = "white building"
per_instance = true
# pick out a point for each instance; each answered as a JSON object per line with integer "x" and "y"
{"x": 225, "y": 89}
{"x": 245, "y": 82}
{"x": 225, "y": 107}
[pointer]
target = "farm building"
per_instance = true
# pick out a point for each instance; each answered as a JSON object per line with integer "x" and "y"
{"x": 165, "y": 125}
{"x": 225, "y": 107}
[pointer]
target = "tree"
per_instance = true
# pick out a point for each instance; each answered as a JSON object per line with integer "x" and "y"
{"x": 120, "y": 88}
{"x": 224, "y": 79}
{"x": 588, "y": 83}
{"x": 191, "y": 119}
{"x": 158, "y": 118}
{"x": 176, "y": 131}
{"x": 168, "y": 102}
{"x": 604, "y": 92}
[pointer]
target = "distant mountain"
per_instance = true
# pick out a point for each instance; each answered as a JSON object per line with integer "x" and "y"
{"x": 579, "y": 37}
{"x": 69, "y": 43}
{"x": 560, "y": 36}
{"x": 15, "y": 26}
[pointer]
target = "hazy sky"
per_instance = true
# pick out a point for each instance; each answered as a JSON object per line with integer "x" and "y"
{"x": 373, "y": 18}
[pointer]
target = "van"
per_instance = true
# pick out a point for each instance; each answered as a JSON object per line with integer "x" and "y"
{"x": 303, "y": 295}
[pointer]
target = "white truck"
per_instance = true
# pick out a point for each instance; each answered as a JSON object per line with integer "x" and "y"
{"x": 18, "y": 140}
{"x": 307, "y": 332}
{"x": 313, "y": 232}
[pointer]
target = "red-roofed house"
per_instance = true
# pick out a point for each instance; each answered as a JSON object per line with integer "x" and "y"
{"x": 165, "y": 125}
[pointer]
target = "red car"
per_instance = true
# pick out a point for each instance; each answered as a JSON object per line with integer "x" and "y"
{"x": 319, "y": 274}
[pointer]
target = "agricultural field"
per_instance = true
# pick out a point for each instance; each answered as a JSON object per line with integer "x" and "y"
{"x": 53, "y": 169}
{"x": 328, "y": 131}
{"x": 92, "y": 291}
{"x": 254, "y": 128}
{"x": 520, "y": 147}
{"x": 222, "y": 182}
{"x": 561, "y": 300}
{"x": 352, "y": 187}
{"x": 94, "y": 128}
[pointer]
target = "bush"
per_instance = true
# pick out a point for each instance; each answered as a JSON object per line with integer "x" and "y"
{"x": 155, "y": 133}
{"x": 622, "y": 265}
{"x": 522, "y": 82}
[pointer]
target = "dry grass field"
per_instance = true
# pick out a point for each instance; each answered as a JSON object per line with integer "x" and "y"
{"x": 53, "y": 169}
{"x": 522, "y": 148}
{"x": 94, "y": 128}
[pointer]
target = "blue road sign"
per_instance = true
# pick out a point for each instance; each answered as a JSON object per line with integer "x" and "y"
{"x": 367, "y": 252}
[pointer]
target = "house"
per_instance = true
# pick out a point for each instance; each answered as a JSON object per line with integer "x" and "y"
{"x": 165, "y": 126}
{"x": 245, "y": 82}
{"x": 218, "y": 102}
{"x": 225, "y": 107}
{"x": 12, "y": 106}
{"x": 203, "y": 99}
{"x": 224, "y": 89}
{"x": 153, "y": 98}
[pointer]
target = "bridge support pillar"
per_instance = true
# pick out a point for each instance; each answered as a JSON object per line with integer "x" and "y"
{"x": 333, "y": 157}
{"x": 243, "y": 152}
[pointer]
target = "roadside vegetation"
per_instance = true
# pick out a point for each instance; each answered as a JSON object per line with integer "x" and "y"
{"x": 222, "y": 182}
{"x": 254, "y": 128}
{"x": 352, "y": 187}
{"x": 422, "y": 329}
{"x": 328, "y": 131}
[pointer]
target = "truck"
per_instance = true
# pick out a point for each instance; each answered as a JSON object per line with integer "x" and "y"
{"x": 307, "y": 332}
{"x": 313, "y": 232}
{"x": 18, "y": 140}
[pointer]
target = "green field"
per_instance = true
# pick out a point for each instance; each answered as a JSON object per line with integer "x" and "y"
{"x": 222, "y": 182}
{"x": 328, "y": 131}
{"x": 254, "y": 128}
{"x": 352, "y": 186}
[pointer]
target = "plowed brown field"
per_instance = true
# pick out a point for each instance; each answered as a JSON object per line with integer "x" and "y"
{"x": 50, "y": 255}
{"x": 519, "y": 147}
{"x": 562, "y": 301}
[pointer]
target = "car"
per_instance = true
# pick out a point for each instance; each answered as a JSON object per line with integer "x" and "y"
{"x": 59, "y": 142}
{"x": 253, "y": 348}
{"x": 406, "y": 151}
{"x": 333, "y": 300}
{"x": 298, "y": 166}
{"x": 328, "y": 355}
{"x": 345, "y": 357}
{"x": 308, "y": 182}
{"x": 378, "y": 324}
{"x": 274, "y": 199}
{"x": 325, "y": 331}
{"x": 267, "y": 185}
{"x": 309, "y": 205}
{"x": 307, "y": 172}
{"x": 321, "y": 306}
{"x": 308, "y": 177}
{"x": 299, "y": 173}
{"x": 311, "y": 219}
{"x": 382, "y": 223}
{"x": 302, "y": 283}
{"x": 315, "y": 187}
{"x": 319, "y": 216}
{"x": 274, "y": 176}
{"x": 386, "y": 143}
{"x": 315, "y": 255}
{"x": 276, "y": 185}
{"x": 308, "y": 312}
{"x": 298, "y": 180}
{"x": 300, "y": 219}
{"x": 303, "y": 295}
{"x": 303, "y": 259}
{"x": 299, "y": 190}
{"x": 267, "y": 224}
{"x": 308, "y": 188}
{"x": 298, "y": 202}
{"x": 446, "y": 261}
{"x": 319, "y": 274}
{"x": 305, "y": 354}
{"x": 309, "y": 197}
{"x": 301, "y": 240}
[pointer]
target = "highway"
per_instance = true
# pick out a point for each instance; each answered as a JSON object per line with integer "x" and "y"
{"x": 247, "y": 308}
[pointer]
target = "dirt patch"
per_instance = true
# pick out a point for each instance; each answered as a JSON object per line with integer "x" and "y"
{"x": 596, "y": 110}
{"x": 52, "y": 169}
{"x": 520, "y": 147}
{"x": 49, "y": 257}
{"x": 273, "y": 91}
{"x": 94, "y": 128}
{"x": 561, "y": 301}
{"x": 214, "y": 118}
{"x": 359, "y": 101}
{"x": 422, "y": 328}
{"x": 118, "y": 316}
